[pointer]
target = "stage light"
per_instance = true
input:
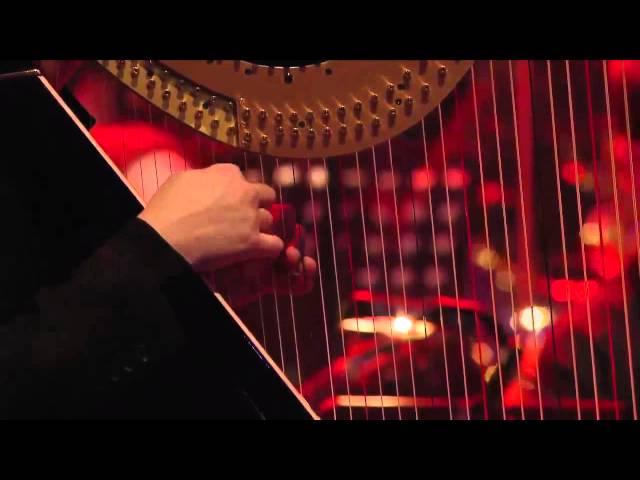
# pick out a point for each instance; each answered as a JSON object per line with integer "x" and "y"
{"x": 286, "y": 175}
{"x": 432, "y": 279}
{"x": 408, "y": 242}
{"x": 486, "y": 258}
{"x": 457, "y": 178}
{"x": 530, "y": 317}
{"x": 402, "y": 324}
{"x": 449, "y": 213}
{"x": 365, "y": 275}
{"x": 591, "y": 234}
{"x": 413, "y": 212}
{"x": 400, "y": 327}
{"x": 318, "y": 177}
{"x": 350, "y": 178}
{"x": 482, "y": 350}
{"x": 443, "y": 244}
{"x": 505, "y": 280}
{"x": 387, "y": 181}
{"x": 423, "y": 179}
{"x": 374, "y": 245}
{"x": 400, "y": 277}
{"x": 310, "y": 210}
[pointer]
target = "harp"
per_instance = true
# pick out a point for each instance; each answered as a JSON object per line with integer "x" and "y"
{"x": 475, "y": 223}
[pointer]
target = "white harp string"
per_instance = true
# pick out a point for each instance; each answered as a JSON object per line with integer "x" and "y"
{"x": 453, "y": 264}
{"x": 620, "y": 239}
{"x": 404, "y": 290}
{"x": 366, "y": 254}
{"x": 320, "y": 282}
{"x": 581, "y": 237}
{"x": 486, "y": 231}
{"x": 496, "y": 126}
{"x": 563, "y": 238}
{"x": 386, "y": 277}
{"x": 335, "y": 271}
{"x": 526, "y": 239}
{"x": 435, "y": 260}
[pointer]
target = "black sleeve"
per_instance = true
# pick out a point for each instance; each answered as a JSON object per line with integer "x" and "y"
{"x": 81, "y": 341}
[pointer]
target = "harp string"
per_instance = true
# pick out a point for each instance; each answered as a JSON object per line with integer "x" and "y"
{"x": 543, "y": 240}
{"x": 418, "y": 250}
{"x": 596, "y": 182}
{"x": 134, "y": 117}
{"x": 258, "y": 278}
{"x": 506, "y": 232}
{"x": 582, "y": 248}
{"x": 453, "y": 263}
{"x": 320, "y": 283}
{"x": 277, "y": 310}
{"x": 404, "y": 290}
{"x": 293, "y": 313}
{"x": 347, "y": 232}
{"x": 563, "y": 238}
{"x": 620, "y": 249}
{"x": 435, "y": 260}
{"x": 474, "y": 291}
{"x": 631, "y": 168}
{"x": 525, "y": 237}
{"x": 335, "y": 271}
{"x": 366, "y": 254}
{"x": 155, "y": 161}
{"x": 386, "y": 278}
{"x": 487, "y": 241}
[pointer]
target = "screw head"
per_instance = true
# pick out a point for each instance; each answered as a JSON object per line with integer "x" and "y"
{"x": 262, "y": 115}
{"x": 343, "y": 130}
{"x": 279, "y": 117}
{"x": 311, "y": 133}
{"x": 406, "y": 75}
{"x": 357, "y": 107}
{"x": 264, "y": 140}
{"x": 215, "y": 123}
{"x": 295, "y": 132}
{"x": 135, "y": 71}
{"x": 293, "y": 117}
{"x": 426, "y": 91}
{"x": 183, "y": 106}
{"x": 246, "y": 113}
{"x": 151, "y": 84}
{"x": 442, "y": 71}
{"x": 326, "y": 132}
{"x": 325, "y": 114}
{"x": 166, "y": 94}
{"x": 199, "y": 115}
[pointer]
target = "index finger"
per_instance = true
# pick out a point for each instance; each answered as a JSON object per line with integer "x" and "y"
{"x": 266, "y": 194}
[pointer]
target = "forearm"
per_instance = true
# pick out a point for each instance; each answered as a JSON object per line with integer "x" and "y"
{"x": 82, "y": 340}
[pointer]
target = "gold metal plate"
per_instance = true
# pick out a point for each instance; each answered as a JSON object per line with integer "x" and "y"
{"x": 326, "y": 109}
